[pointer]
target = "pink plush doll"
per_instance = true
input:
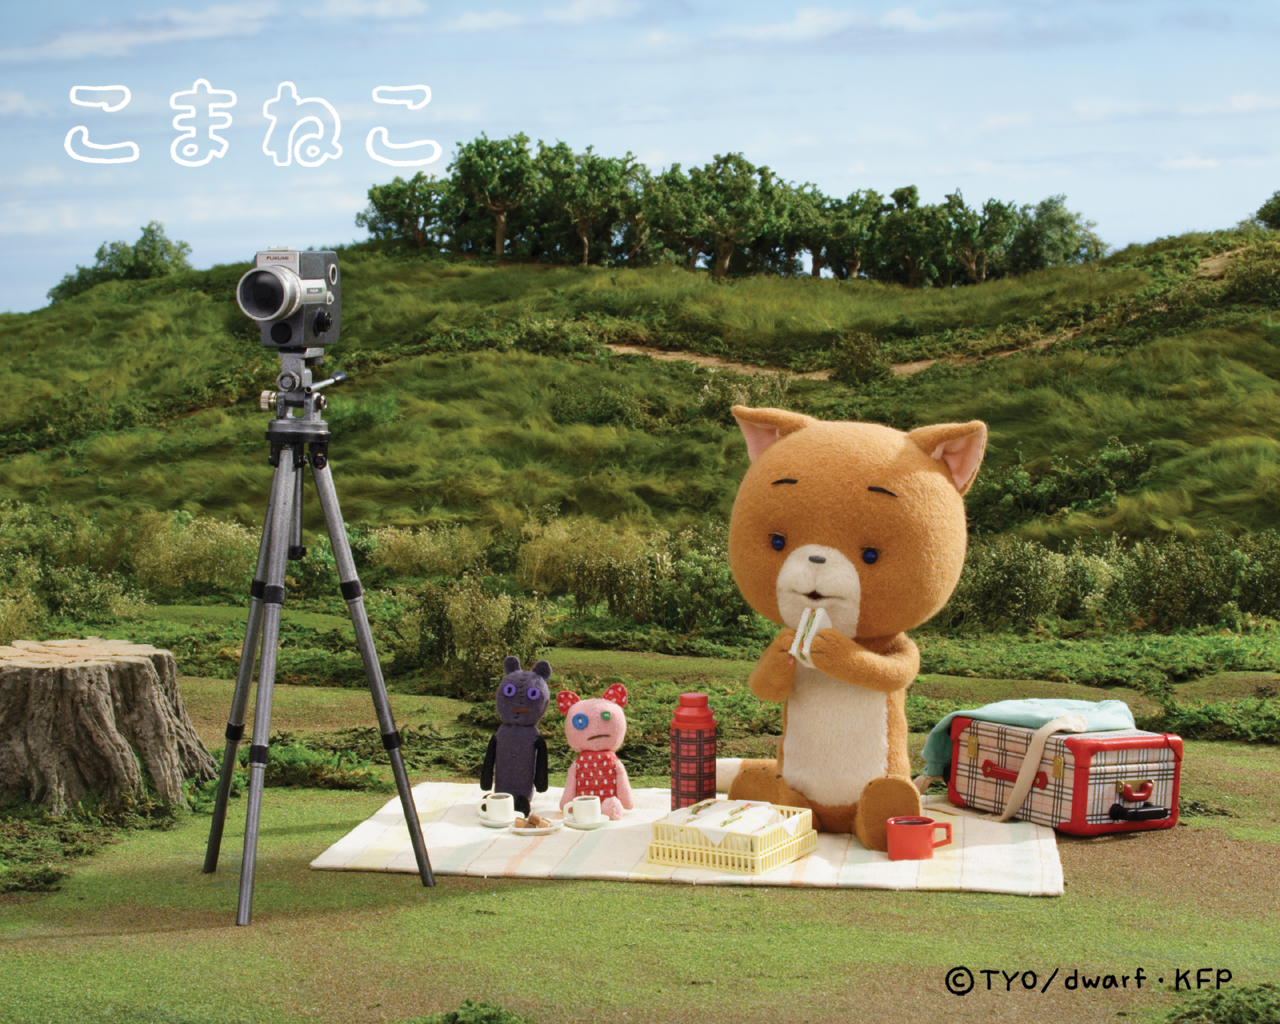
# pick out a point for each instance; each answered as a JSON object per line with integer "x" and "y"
{"x": 596, "y": 728}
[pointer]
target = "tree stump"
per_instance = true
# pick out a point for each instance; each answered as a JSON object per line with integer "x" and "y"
{"x": 94, "y": 717}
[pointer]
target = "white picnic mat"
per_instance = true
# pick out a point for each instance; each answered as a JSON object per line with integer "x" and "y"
{"x": 985, "y": 856}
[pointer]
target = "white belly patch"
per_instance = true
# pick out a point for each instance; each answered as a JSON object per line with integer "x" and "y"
{"x": 837, "y": 738}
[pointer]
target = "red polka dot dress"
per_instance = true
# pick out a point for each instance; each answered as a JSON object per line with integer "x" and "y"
{"x": 597, "y": 774}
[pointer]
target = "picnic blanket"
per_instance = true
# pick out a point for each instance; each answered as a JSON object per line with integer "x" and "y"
{"x": 985, "y": 856}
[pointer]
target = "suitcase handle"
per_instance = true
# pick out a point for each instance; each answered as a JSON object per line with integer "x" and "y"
{"x": 991, "y": 770}
{"x": 1147, "y": 812}
{"x": 1141, "y": 794}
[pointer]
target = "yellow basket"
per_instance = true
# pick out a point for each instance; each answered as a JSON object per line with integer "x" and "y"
{"x": 686, "y": 847}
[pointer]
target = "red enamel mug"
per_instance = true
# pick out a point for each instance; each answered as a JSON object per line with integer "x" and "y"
{"x": 911, "y": 837}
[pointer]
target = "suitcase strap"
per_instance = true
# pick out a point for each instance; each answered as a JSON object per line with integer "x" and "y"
{"x": 1031, "y": 761}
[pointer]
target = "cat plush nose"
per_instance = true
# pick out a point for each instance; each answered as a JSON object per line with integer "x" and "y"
{"x": 817, "y": 559}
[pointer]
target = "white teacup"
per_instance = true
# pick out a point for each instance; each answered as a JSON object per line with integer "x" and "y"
{"x": 583, "y": 810}
{"x": 497, "y": 808}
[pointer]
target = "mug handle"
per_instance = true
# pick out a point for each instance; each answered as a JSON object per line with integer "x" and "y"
{"x": 942, "y": 824}
{"x": 568, "y": 811}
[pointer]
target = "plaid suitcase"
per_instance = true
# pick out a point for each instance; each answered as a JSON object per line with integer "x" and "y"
{"x": 1087, "y": 783}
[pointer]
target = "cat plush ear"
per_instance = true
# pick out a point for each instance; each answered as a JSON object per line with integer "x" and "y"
{"x": 761, "y": 427}
{"x": 617, "y": 693}
{"x": 958, "y": 446}
{"x": 510, "y": 664}
{"x": 566, "y": 699}
{"x": 541, "y": 668}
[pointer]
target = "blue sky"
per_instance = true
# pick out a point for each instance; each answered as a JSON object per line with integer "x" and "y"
{"x": 1153, "y": 117}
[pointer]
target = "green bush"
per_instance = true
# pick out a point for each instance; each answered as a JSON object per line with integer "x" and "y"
{"x": 858, "y": 358}
{"x": 1016, "y": 495}
{"x": 77, "y": 592}
{"x": 180, "y": 550}
{"x": 471, "y": 1012}
{"x": 1006, "y": 581}
{"x": 1248, "y": 1004}
{"x": 1254, "y": 275}
{"x": 700, "y": 592}
{"x": 447, "y": 550}
{"x": 620, "y": 567}
{"x": 461, "y": 632}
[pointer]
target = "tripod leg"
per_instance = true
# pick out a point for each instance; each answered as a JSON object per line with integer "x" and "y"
{"x": 240, "y": 701}
{"x": 282, "y": 495}
{"x": 352, "y": 591}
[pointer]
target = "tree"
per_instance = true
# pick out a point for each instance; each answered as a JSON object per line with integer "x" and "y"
{"x": 407, "y": 209}
{"x": 810, "y": 224}
{"x": 153, "y": 255}
{"x": 855, "y": 231}
{"x": 1050, "y": 235}
{"x": 979, "y": 240}
{"x": 497, "y": 173}
{"x": 1269, "y": 212}
{"x": 674, "y": 209}
{"x": 912, "y": 239}
{"x": 736, "y": 203}
{"x": 590, "y": 188}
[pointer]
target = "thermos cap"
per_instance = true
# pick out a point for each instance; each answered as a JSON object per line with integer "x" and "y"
{"x": 693, "y": 713}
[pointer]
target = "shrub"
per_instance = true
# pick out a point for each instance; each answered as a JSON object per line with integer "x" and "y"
{"x": 461, "y": 631}
{"x": 620, "y": 567}
{"x": 1017, "y": 496}
{"x": 471, "y": 1012}
{"x": 1248, "y": 1004}
{"x": 700, "y": 592}
{"x": 21, "y": 611}
{"x": 724, "y": 389}
{"x": 858, "y": 358}
{"x": 177, "y": 550}
{"x": 447, "y": 551}
{"x": 1254, "y": 275}
{"x": 78, "y": 592}
{"x": 1174, "y": 582}
{"x": 1006, "y": 581}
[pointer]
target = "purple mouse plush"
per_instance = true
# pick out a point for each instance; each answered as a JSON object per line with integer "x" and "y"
{"x": 516, "y": 761}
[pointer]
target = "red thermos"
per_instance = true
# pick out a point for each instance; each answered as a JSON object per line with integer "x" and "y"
{"x": 693, "y": 751}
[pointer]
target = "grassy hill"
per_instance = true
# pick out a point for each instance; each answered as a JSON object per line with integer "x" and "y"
{"x": 479, "y": 391}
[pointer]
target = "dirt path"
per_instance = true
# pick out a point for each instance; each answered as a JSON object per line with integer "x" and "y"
{"x": 899, "y": 369}
{"x": 1211, "y": 267}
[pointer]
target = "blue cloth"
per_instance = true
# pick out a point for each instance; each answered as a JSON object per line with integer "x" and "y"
{"x": 1032, "y": 713}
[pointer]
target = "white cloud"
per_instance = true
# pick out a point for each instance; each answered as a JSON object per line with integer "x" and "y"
{"x": 1190, "y": 163}
{"x": 370, "y": 9}
{"x": 16, "y": 103}
{"x": 579, "y": 12}
{"x": 576, "y": 12}
{"x": 808, "y": 24}
{"x": 170, "y": 26}
{"x": 1241, "y": 103}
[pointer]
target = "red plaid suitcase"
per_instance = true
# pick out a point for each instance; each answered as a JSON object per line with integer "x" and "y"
{"x": 1087, "y": 783}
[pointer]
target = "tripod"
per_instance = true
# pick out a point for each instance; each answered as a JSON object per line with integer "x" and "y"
{"x": 282, "y": 540}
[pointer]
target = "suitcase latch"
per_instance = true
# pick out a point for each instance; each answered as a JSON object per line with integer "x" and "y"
{"x": 973, "y": 747}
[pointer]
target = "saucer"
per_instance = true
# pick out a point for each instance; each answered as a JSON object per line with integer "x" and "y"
{"x": 584, "y": 827}
{"x": 495, "y": 824}
{"x": 554, "y": 827}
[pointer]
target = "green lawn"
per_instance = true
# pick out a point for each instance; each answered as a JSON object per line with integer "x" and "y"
{"x": 139, "y": 934}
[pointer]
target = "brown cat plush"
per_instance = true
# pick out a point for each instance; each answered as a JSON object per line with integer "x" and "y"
{"x": 866, "y": 523}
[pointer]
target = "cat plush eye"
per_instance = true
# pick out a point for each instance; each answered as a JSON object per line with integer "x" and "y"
{"x": 509, "y": 690}
{"x": 580, "y": 721}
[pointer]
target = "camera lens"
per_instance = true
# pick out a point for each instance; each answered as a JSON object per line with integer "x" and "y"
{"x": 268, "y": 294}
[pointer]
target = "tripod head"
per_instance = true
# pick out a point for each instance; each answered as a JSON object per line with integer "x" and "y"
{"x": 299, "y": 390}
